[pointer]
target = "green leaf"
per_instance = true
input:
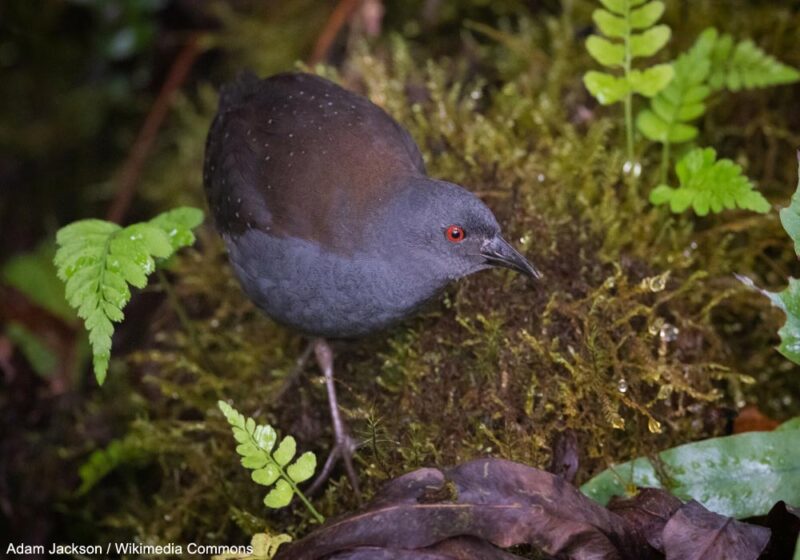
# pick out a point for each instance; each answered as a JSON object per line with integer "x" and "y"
{"x": 607, "y": 89}
{"x": 655, "y": 128}
{"x": 646, "y": 16}
{"x": 792, "y": 424}
{"x": 285, "y": 451}
{"x": 790, "y": 216}
{"x": 255, "y": 443}
{"x": 265, "y": 437}
{"x": 248, "y": 448}
{"x": 280, "y": 496}
{"x": 41, "y": 358}
{"x": 683, "y": 100}
{"x": 738, "y": 476}
{"x": 609, "y": 24}
{"x": 149, "y": 238}
{"x": 130, "y": 450}
{"x": 649, "y": 42}
{"x": 605, "y": 52}
{"x": 621, "y": 6}
{"x": 178, "y": 225}
{"x": 788, "y": 301}
{"x": 35, "y": 275}
{"x": 652, "y": 126}
{"x": 266, "y": 476}
{"x": 744, "y": 65}
{"x": 708, "y": 184}
{"x": 98, "y": 261}
{"x": 303, "y": 469}
{"x": 255, "y": 461}
{"x": 649, "y": 82}
{"x": 619, "y": 21}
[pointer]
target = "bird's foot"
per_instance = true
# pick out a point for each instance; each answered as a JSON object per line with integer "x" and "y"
{"x": 345, "y": 445}
{"x": 344, "y": 449}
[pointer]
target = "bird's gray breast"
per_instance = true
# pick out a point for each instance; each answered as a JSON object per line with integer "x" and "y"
{"x": 322, "y": 293}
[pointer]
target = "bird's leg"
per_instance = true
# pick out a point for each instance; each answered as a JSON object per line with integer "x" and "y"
{"x": 345, "y": 445}
{"x": 299, "y": 366}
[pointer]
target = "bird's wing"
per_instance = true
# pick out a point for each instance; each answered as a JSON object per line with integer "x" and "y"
{"x": 299, "y": 156}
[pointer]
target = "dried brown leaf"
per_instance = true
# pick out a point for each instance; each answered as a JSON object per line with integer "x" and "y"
{"x": 648, "y": 512}
{"x": 494, "y": 500}
{"x": 459, "y": 548}
{"x": 695, "y": 533}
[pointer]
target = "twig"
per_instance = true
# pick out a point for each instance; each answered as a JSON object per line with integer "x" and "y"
{"x": 341, "y": 13}
{"x": 128, "y": 176}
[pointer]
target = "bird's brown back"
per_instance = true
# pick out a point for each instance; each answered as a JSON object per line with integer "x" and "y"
{"x": 295, "y": 155}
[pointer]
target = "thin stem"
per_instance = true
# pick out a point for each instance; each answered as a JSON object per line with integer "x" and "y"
{"x": 320, "y": 519}
{"x": 629, "y": 125}
{"x": 629, "y": 96}
{"x": 317, "y": 515}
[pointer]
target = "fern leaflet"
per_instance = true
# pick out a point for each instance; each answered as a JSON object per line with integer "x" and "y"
{"x": 98, "y": 260}
{"x": 744, "y": 65}
{"x": 632, "y": 33}
{"x": 683, "y": 100}
{"x": 271, "y": 468}
{"x": 709, "y": 184}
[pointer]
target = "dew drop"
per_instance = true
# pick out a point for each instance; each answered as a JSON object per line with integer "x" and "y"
{"x": 668, "y": 332}
{"x": 622, "y": 385}
{"x": 632, "y": 168}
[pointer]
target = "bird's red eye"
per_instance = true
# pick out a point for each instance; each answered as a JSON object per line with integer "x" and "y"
{"x": 455, "y": 234}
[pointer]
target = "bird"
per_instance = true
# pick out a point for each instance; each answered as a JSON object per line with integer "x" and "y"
{"x": 332, "y": 226}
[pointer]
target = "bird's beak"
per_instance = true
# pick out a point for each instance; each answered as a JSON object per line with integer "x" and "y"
{"x": 498, "y": 252}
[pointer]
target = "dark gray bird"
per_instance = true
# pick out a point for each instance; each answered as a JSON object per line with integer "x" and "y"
{"x": 331, "y": 224}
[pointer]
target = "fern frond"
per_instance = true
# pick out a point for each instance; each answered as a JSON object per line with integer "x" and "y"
{"x": 683, "y": 100}
{"x": 631, "y": 33}
{"x": 744, "y": 65}
{"x": 271, "y": 468}
{"x": 98, "y": 260}
{"x": 709, "y": 184}
{"x": 124, "y": 451}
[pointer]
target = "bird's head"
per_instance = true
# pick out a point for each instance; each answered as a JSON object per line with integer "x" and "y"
{"x": 449, "y": 231}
